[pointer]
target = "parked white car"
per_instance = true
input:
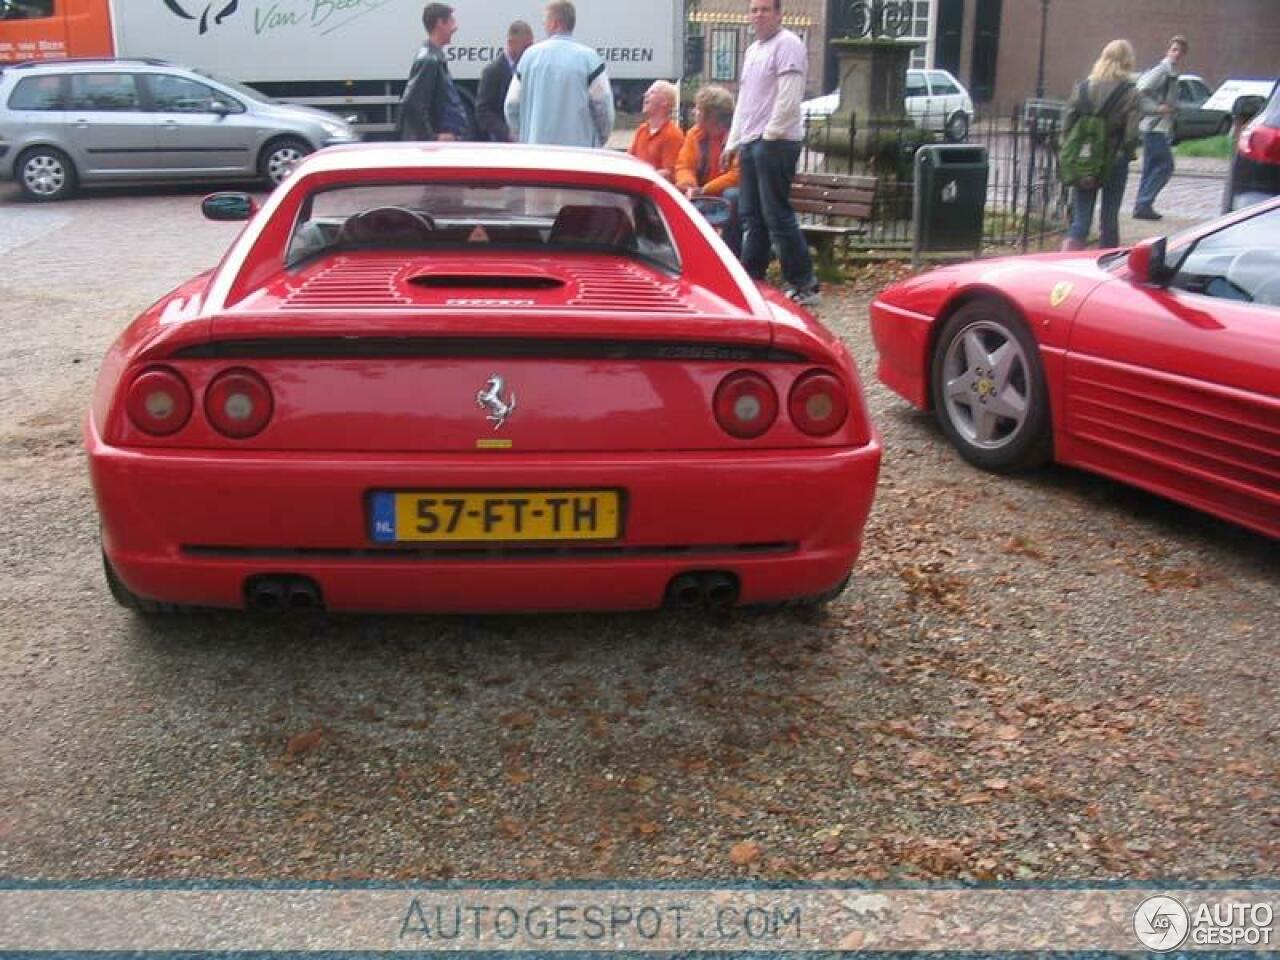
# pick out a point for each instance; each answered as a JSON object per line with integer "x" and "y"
{"x": 934, "y": 100}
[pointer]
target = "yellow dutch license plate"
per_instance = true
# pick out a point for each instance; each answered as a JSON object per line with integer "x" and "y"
{"x": 505, "y": 515}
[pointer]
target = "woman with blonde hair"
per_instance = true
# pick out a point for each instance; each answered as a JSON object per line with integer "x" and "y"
{"x": 1110, "y": 93}
{"x": 698, "y": 167}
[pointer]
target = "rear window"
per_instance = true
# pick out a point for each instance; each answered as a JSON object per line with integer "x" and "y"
{"x": 434, "y": 216}
{"x": 38, "y": 93}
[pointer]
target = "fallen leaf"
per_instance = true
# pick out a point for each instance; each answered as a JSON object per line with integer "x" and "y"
{"x": 642, "y": 784}
{"x": 300, "y": 743}
{"x": 511, "y": 827}
{"x": 517, "y": 721}
{"x": 996, "y": 783}
{"x": 1007, "y": 732}
{"x": 744, "y": 853}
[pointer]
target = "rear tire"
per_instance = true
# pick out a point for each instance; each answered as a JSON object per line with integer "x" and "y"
{"x": 45, "y": 174}
{"x": 988, "y": 388}
{"x": 957, "y": 129}
{"x": 279, "y": 157}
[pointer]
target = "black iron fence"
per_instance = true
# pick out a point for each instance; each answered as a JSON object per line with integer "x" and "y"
{"x": 1026, "y": 204}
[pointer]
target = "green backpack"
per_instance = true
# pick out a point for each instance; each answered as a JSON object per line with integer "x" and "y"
{"x": 1087, "y": 151}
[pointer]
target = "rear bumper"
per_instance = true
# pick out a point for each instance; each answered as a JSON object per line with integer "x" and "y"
{"x": 191, "y": 527}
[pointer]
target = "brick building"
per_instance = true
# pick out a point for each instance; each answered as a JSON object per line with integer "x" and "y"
{"x": 993, "y": 46}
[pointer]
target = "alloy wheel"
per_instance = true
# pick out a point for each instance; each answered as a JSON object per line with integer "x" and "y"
{"x": 44, "y": 175}
{"x": 987, "y": 385}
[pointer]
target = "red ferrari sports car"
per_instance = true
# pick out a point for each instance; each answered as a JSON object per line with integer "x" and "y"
{"x": 439, "y": 377}
{"x": 1158, "y": 366}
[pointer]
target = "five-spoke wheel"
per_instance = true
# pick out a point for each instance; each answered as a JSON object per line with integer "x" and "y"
{"x": 989, "y": 388}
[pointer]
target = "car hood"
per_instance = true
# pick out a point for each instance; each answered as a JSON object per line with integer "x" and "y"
{"x": 1032, "y": 281}
{"x": 298, "y": 112}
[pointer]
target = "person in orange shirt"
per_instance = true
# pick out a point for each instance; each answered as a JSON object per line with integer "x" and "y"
{"x": 657, "y": 141}
{"x": 698, "y": 170}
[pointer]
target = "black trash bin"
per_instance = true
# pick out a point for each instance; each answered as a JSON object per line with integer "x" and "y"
{"x": 950, "y": 198}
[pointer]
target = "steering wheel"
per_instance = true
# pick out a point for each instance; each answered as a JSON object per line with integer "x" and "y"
{"x": 386, "y": 226}
{"x": 1257, "y": 273}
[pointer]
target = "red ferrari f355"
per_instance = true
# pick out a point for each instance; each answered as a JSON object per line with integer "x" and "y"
{"x": 433, "y": 377}
{"x": 1158, "y": 366}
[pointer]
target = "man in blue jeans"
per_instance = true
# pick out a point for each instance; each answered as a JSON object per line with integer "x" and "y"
{"x": 766, "y": 135}
{"x": 1159, "y": 89}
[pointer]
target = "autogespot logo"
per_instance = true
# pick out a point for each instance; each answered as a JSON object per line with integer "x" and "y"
{"x": 1161, "y": 923}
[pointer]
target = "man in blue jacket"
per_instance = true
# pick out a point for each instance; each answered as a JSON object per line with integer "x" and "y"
{"x": 560, "y": 93}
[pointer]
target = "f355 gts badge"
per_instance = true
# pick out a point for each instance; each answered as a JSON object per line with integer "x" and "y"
{"x": 490, "y": 399}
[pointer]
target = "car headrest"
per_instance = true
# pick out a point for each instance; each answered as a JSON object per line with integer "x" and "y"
{"x": 609, "y": 226}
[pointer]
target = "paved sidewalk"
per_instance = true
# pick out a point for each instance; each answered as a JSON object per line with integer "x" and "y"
{"x": 1192, "y": 196}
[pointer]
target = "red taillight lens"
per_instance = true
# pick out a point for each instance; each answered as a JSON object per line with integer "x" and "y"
{"x": 745, "y": 404}
{"x": 158, "y": 401}
{"x": 238, "y": 403}
{"x": 819, "y": 403}
{"x": 1261, "y": 143}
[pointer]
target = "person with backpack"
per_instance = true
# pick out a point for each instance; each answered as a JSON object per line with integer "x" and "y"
{"x": 1100, "y": 134}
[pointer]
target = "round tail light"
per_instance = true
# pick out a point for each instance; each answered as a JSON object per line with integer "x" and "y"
{"x": 745, "y": 404}
{"x": 158, "y": 401}
{"x": 819, "y": 403}
{"x": 238, "y": 403}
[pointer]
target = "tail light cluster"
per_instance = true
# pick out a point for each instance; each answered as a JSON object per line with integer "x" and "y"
{"x": 746, "y": 405}
{"x": 1260, "y": 143}
{"x": 237, "y": 402}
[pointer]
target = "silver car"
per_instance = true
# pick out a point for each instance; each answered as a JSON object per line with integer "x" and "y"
{"x": 68, "y": 122}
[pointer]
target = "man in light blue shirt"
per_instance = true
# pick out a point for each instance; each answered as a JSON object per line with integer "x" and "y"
{"x": 560, "y": 93}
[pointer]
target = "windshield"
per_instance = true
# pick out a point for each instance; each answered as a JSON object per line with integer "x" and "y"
{"x": 474, "y": 216}
{"x": 238, "y": 87}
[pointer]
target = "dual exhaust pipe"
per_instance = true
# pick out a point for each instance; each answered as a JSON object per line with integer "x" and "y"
{"x": 278, "y": 593}
{"x": 712, "y": 590}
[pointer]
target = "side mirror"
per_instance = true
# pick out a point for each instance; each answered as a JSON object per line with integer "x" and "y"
{"x": 228, "y": 206}
{"x": 1147, "y": 263}
{"x": 220, "y": 107}
{"x": 1246, "y": 108}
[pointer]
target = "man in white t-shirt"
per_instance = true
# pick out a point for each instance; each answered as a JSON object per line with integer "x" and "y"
{"x": 767, "y": 132}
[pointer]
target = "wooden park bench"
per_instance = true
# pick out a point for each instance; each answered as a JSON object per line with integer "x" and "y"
{"x": 830, "y": 206}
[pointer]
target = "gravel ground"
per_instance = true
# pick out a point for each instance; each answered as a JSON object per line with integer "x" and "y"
{"x": 1052, "y": 677}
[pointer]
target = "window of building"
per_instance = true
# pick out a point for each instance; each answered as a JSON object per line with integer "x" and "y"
{"x": 724, "y": 53}
{"x": 922, "y": 12}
